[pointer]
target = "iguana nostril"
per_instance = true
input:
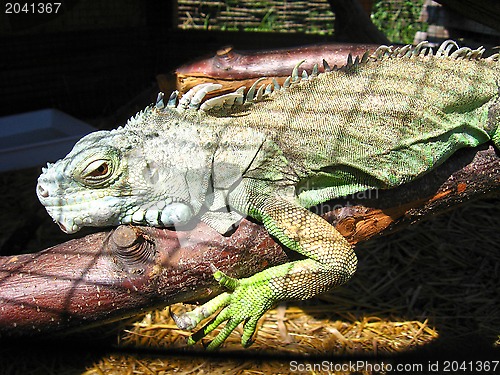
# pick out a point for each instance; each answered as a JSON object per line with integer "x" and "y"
{"x": 42, "y": 192}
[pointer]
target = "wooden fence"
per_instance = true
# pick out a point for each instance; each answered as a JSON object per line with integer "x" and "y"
{"x": 249, "y": 15}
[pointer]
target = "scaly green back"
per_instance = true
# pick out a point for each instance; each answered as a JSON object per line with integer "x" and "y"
{"x": 381, "y": 123}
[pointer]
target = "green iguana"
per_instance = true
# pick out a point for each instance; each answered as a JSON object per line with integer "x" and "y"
{"x": 375, "y": 123}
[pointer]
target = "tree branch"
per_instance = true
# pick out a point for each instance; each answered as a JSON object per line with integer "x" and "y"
{"x": 234, "y": 69}
{"x": 115, "y": 274}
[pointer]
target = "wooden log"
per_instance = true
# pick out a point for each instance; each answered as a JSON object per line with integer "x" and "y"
{"x": 234, "y": 69}
{"x": 115, "y": 274}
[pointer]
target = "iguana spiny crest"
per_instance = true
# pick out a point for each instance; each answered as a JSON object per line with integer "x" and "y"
{"x": 377, "y": 122}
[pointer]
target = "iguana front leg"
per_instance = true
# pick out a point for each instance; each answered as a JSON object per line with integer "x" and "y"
{"x": 330, "y": 262}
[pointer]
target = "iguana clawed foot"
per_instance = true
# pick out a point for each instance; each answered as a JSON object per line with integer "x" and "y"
{"x": 249, "y": 299}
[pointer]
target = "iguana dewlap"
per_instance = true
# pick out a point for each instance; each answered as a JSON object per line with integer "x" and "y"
{"x": 374, "y": 123}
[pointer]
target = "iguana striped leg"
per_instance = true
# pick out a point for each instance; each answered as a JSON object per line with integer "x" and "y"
{"x": 330, "y": 262}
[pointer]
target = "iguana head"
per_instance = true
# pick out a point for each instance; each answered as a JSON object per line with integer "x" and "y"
{"x": 137, "y": 174}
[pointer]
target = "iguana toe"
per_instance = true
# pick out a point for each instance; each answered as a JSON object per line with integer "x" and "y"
{"x": 192, "y": 318}
{"x": 224, "y": 280}
{"x": 184, "y": 321}
{"x": 250, "y": 299}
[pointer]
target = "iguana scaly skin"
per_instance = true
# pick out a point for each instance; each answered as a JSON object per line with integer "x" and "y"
{"x": 375, "y": 123}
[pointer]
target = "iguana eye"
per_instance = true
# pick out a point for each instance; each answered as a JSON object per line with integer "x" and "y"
{"x": 100, "y": 170}
{"x": 96, "y": 170}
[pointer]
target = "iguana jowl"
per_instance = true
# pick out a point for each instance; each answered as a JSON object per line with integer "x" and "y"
{"x": 374, "y": 123}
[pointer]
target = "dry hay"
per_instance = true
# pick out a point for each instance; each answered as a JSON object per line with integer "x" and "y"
{"x": 293, "y": 330}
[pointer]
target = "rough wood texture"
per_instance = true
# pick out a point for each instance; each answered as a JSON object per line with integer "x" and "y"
{"x": 114, "y": 274}
{"x": 234, "y": 69}
{"x": 469, "y": 174}
{"x": 108, "y": 276}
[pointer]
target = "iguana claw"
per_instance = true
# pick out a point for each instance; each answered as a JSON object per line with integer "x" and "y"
{"x": 249, "y": 300}
{"x": 183, "y": 321}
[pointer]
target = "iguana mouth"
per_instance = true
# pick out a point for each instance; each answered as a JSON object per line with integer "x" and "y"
{"x": 66, "y": 223}
{"x": 160, "y": 214}
{"x": 62, "y": 227}
{"x": 69, "y": 227}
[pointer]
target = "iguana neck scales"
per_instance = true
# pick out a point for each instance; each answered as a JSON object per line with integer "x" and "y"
{"x": 377, "y": 122}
